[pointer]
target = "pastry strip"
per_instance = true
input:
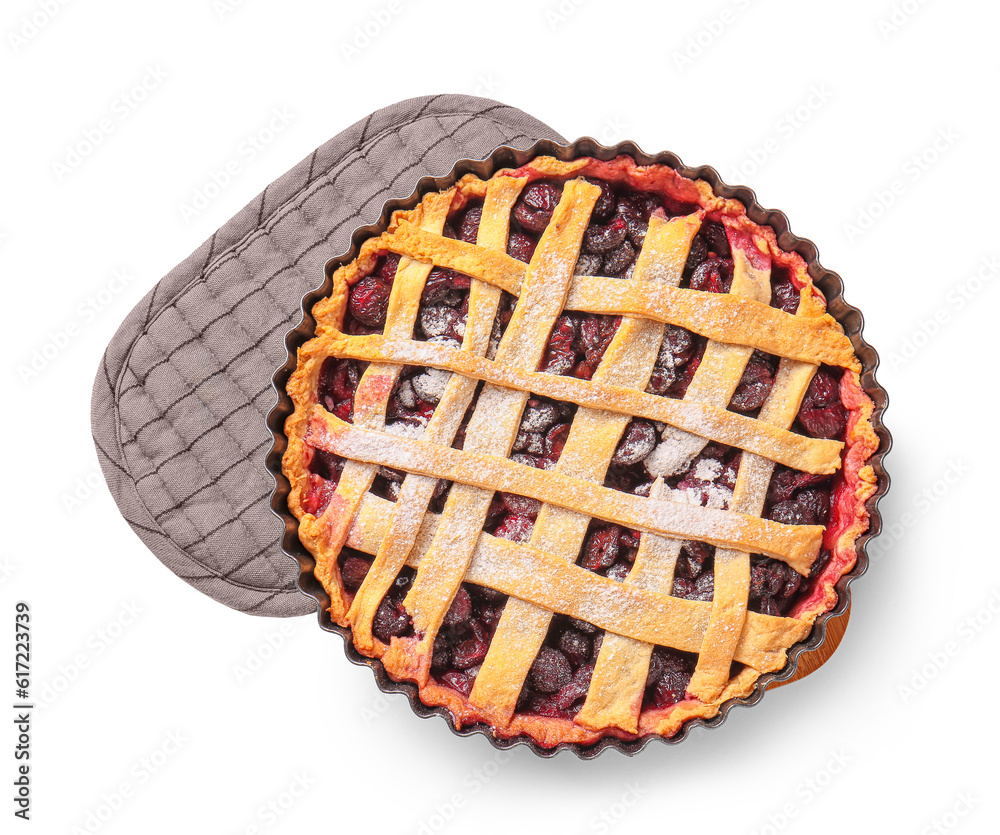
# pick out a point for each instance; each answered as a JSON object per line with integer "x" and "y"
{"x": 797, "y": 545}
{"x": 325, "y": 536}
{"x": 493, "y": 426}
{"x": 618, "y": 684}
{"x": 550, "y": 582}
{"x": 594, "y": 435}
{"x": 708, "y": 420}
{"x": 732, "y": 567}
{"x": 416, "y": 491}
{"x": 619, "y": 681}
{"x": 721, "y": 317}
{"x": 718, "y": 316}
{"x": 720, "y": 371}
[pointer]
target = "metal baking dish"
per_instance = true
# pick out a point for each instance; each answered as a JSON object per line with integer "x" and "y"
{"x": 506, "y": 157}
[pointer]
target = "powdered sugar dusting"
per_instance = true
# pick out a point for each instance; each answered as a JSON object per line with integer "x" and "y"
{"x": 430, "y": 385}
{"x": 538, "y": 417}
{"x": 715, "y": 496}
{"x": 404, "y": 429}
{"x": 708, "y": 469}
{"x": 673, "y": 453}
{"x": 406, "y": 395}
{"x": 445, "y": 341}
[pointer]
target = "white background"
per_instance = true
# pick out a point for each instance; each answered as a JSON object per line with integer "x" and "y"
{"x": 872, "y": 125}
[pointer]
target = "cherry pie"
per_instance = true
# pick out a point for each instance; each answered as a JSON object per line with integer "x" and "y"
{"x": 578, "y": 450}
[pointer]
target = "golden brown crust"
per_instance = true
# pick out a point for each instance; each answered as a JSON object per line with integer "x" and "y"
{"x": 358, "y": 518}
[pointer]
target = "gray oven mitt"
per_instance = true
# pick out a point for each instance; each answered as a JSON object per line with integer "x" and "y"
{"x": 180, "y": 401}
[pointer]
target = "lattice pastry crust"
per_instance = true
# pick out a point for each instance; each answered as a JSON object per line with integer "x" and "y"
{"x": 540, "y": 576}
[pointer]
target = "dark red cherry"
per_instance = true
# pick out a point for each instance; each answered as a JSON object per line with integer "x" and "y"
{"x": 520, "y": 505}
{"x": 589, "y": 263}
{"x": 438, "y": 286}
{"x": 555, "y": 440}
{"x": 515, "y": 528}
{"x": 754, "y": 388}
{"x": 458, "y": 681}
{"x": 676, "y": 348}
{"x": 354, "y": 572}
{"x": 550, "y": 672}
{"x": 792, "y": 513}
{"x": 785, "y": 296}
{"x": 460, "y": 610}
{"x": 601, "y": 239}
{"x": 388, "y": 266}
{"x": 390, "y": 621}
{"x": 370, "y": 301}
{"x": 715, "y": 237}
{"x": 596, "y": 333}
{"x": 534, "y": 208}
{"x": 441, "y": 320}
{"x": 822, "y": 414}
{"x": 560, "y": 355}
{"x": 786, "y": 482}
{"x": 575, "y": 646}
{"x": 817, "y": 502}
{"x": 471, "y": 651}
{"x": 708, "y": 277}
{"x": 698, "y": 253}
{"x": 601, "y": 548}
{"x": 638, "y": 440}
{"x": 636, "y": 219}
{"x": 576, "y": 690}
{"x": 605, "y": 204}
{"x": 823, "y": 390}
{"x": 619, "y": 259}
{"x": 468, "y": 229}
{"x": 829, "y": 422}
{"x": 520, "y": 246}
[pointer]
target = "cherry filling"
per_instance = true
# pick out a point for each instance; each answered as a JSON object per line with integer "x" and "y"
{"x": 391, "y": 619}
{"x": 444, "y": 307}
{"x": 560, "y": 676}
{"x": 784, "y": 294}
{"x": 369, "y": 300}
{"x": 338, "y": 379}
{"x": 465, "y": 635}
{"x": 822, "y": 414}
